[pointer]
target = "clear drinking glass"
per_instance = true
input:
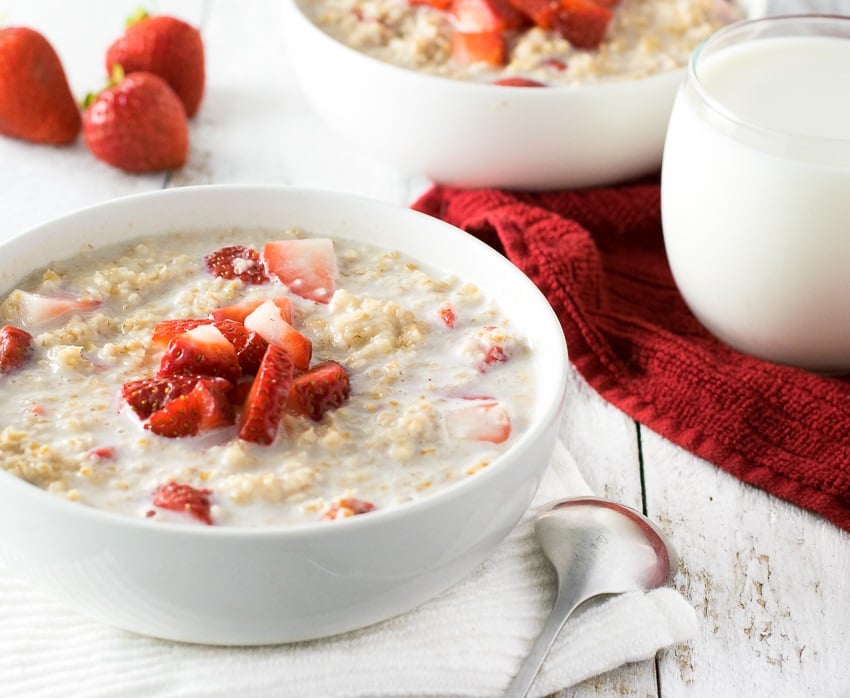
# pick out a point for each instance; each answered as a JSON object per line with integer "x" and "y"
{"x": 755, "y": 189}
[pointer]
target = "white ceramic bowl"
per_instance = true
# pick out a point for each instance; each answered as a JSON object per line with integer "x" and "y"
{"x": 478, "y": 135}
{"x": 257, "y": 586}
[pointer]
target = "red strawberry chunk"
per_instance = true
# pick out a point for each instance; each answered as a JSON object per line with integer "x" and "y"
{"x": 447, "y": 315}
{"x": 348, "y": 506}
{"x": 307, "y": 267}
{"x": 239, "y": 311}
{"x": 541, "y": 12}
{"x": 267, "y": 321}
{"x": 480, "y": 419}
{"x": 324, "y": 387}
{"x": 166, "y": 330}
{"x": 486, "y": 15}
{"x": 37, "y": 310}
{"x": 237, "y": 262}
{"x": 518, "y": 82}
{"x": 147, "y": 395}
{"x": 267, "y": 398}
{"x": 436, "y": 4}
{"x": 250, "y": 346}
{"x": 184, "y": 499}
{"x": 488, "y": 47}
{"x": 205, "y": 407}
{"x": 583, "y": 23}
{"x": 15, "y": 348}
{"x": 202, "y": 351}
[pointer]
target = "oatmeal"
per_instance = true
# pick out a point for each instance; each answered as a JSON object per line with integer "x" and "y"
{"x": 526, "y": 42}
{"x": 253, "y": 379}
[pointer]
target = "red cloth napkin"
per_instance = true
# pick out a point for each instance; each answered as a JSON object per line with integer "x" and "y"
{"x": 598, "y": 256}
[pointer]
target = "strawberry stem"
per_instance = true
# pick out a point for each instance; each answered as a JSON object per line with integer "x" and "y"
{"x": 140, "y": 14}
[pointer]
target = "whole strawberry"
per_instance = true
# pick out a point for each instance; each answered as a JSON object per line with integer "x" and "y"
{"x": 165, "y": 46}
{"x": 36, "y": 103}
{"x": 138, "y": 124}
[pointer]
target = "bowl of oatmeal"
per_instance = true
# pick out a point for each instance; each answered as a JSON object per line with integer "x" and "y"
{"x": 492, "y": 93}
{"x": 314, "y": 411}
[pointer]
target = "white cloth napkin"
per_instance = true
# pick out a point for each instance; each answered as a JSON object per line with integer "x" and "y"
{"x": 468, "y": 642}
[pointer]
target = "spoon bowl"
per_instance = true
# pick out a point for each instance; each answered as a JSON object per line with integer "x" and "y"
{"x": 597, "y": 547}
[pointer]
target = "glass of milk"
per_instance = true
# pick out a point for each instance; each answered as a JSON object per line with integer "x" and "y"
{"x": 755, "y": 189}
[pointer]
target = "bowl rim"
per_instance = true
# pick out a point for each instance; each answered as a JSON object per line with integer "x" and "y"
{"x": 557, "y": 377}
{"x": 753, "y": 8}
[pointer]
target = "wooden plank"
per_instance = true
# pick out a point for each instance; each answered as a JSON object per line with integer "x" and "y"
{"x": 768, "y": 581}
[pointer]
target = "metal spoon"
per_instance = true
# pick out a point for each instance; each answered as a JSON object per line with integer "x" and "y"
{"x": 597, "y": 547}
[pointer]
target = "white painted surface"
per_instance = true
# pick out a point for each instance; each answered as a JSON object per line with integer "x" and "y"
{"x": 769, "y": 581}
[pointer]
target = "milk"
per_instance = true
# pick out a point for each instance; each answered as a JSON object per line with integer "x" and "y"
{"x": 756, "y": 198}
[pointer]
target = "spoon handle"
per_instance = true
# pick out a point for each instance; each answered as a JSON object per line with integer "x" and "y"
{"x": 565, "y": 604}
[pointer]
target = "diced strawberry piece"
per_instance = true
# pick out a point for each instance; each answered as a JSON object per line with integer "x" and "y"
{"x": 37, "y": 310}
{"x": 250, "y": 346}
{"x": 267, "y": 321}
{"x": 166, "y": 330}
{"x": 479, "y": 419}
{"x": 447, "y": 315}
{"x": 15, "y": 348}
{"x": 583, "y": 23}
{"x": 486, "y": 15}
{"x": 237, "y": 262}
{"x": 239, "y": 311}
{"x": 203, "y": 408}
{"x": 495, "y": 355}
{"x": 348, "y": 506}
{"x": 307, "y": 267}
{"x": 147, "y": 395}
{"x": 185, "y": 499}
{"x": 436, "y": 4}
{"x": 541, "y": 12}
{"x": 202, "y": 351}
{"x": 518, "y": 82}
{"x": 474, "y": 47}
{"x": 240, "y": 392}
{"x": 324, "y": 387}
{"x": 102, "y": 453}
{"x": 267, "y": 398}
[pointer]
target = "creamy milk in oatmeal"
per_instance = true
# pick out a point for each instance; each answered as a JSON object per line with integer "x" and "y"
{"x": 484, "y": 40}
{"x": 437, "y": 382}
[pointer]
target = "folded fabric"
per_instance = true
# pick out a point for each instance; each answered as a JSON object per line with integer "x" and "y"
{"x": 598, "y": 256}
{"x": 467, "y": 642}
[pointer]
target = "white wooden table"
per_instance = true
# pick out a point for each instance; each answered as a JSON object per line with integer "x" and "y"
{"x": 769, "y": 581}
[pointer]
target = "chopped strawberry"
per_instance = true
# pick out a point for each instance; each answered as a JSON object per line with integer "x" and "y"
{"x": 267, "y": 321}
{"x": 436, "y": 4}
{"x": 102, "y": 453}
{"x": 15, "y": 348}
{"x": 166, "y": 330}
{"x": 240, "y": 392}
{"x": 518, "y": 82}
{"x": 480, "y": 419}
{"x": 237, "y": 262}
{"x": 37, "y": 310}
{"x": 583, "y": 23}
{"x": 203, "y": 408}
{"x": 307, "y": 267}
{"x": 495, "y": 355}
{"x": 554, "y": 64}
{"x": 147, "y": 395}
{"x": 267, "y": 398}
{"x": 486, "y": 15}
{"x": 348, "y": 506}
{"x": 324, "y": 387}
{"x": 447, "y": 315}
{"x": 202, "y": 351}
{"x": 239, "y": 311}
{"x": 184, "y": 499}
{"x": 541, "y": 12}
{"x": 250, "y": 346}
{"x": 474, "y": 47}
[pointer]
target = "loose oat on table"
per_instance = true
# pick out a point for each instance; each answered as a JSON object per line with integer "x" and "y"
{"x": 432, "y": 401}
